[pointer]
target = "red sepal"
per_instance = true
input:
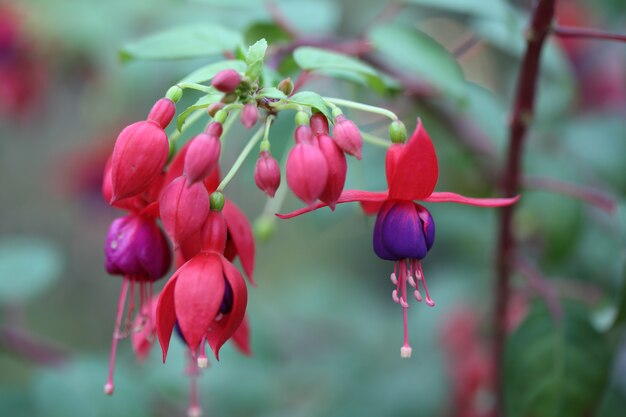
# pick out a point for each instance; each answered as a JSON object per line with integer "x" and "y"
{"x": 241, "y": 234}
{"x": 446, "y": 197}
{"x": 241, "y": 338}
{"x": 347, "y": 196}
{"x": 166, "y": 315}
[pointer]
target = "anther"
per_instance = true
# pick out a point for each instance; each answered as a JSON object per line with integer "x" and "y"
{"x": 109, "y": 388}
{"x": 405, "y": 352}
{"x": 394, "y": 296}
{"x": 417, "y": 295}
{"x": 403, "y": 303}
{"x": 393, "y": 278}
{"x": 411, "y": 281}
{"x": 218, "y": 317}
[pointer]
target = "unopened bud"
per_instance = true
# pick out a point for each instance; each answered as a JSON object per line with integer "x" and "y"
{"x": 214, "y": 108}
{"x": 175, "y": 93}
{"x": 319, "y": 124}
{"x": 249, "y": 115}
{"x": 229, "y": 98}
{"x": 267, "y": 174}
{"x": 302, "y": 118}
{"x": 348, "y": 136}
{"x": 217, "y": 201}
{"x": 202, "y": 157}
{"x": 286, "y": 86}
{"x": 303, "y": 134}
{"x": 226, "y": 80}
{"x": 397, "y": 132}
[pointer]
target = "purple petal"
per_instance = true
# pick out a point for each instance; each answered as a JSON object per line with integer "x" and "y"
{"x": 403, "y": 233}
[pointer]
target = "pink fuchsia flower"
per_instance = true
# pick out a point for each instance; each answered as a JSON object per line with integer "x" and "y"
{"x": 307, "y": 169}
{"x": 404, "y": 230}
{"x": 140, "y": 152}
{"x": 249, "y": 115}
{"x": 202, "y": 157}
{"x": 348, "y": 136}
{"x": 267, "y": 173}
{"x": 198, "y": 292}
{"x": 337, "y": 169}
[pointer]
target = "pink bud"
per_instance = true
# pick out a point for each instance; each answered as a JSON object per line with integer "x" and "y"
{"x": 303, "y": 134}
{"x": 347, "y": 136}
{"x": 267, "y": 174}
{"x": 202, "y": 157}
{"x": 319, "y": 124}
{"x": 214, "y": 129}
{"x": 249, "y": 115}
{"x": 139, "y": 155}
{"x": 226, "y": 80}
{"x": 162, "y": 112}
{"x": 183, "y": 209}
{"x": 337, "y": 169}
{"x": 307, "y": 172}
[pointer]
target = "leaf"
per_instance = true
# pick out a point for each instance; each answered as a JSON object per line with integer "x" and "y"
{"x": 414, "y": 52}
{"x": 202, "y": 103}
{"x": 268, "y": 30}
{"x": 555, "y": 369}
{"x": 495, "y": 9}
{"x": 311, "y": 99}
{"x": 333, "y": 63}
{"x": 190, "y": 41}
{"x": 28, "y": 265}
{"x": 272, "y": 92}
{"x": 254, "y": 59}
{"x": 206, "y": 73}
{"x": 620, "y": 314}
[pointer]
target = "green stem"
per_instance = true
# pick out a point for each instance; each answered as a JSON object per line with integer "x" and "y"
{"x": 241, "y": 158}
{"x": 198, "y": 87}
{"x": 286, "y": 106}
{"x": 375, "y": 140}
{"x": 232, "y": 116}
{"x": 362, "y": 107}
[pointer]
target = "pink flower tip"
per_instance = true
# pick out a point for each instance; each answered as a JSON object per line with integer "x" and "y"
{"x": 348, "y": 136}
{"x": 405, "y": 352}
{"x": 194, "y": 411}
{"x": 226, "y": 80}
{"x": 109, "y": 388}
{"x": 203, "y": 362}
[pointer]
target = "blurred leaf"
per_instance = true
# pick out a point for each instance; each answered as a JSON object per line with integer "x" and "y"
{"x": 268, "y": 30}
{"x": 553, "y": 368}
{"x": 202, "y": 103}
{"x": 28, "y": 265}
{"x": 333, "y": 63}
{"x": 417, "y": 53}
{"x": 204, "y": 74}
{"x": 309, "y": 98}
{"x": 613, "y": 404}
{"x": 620, "y": 315}
{"x": 271, "y": 92}
{"x": 191, "y": 41}
{"x": 496, "y": 9}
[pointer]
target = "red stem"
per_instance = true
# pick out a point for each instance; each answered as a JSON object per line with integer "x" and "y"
{"x": 521, "y": 116}
{"x": 586, "y": 33}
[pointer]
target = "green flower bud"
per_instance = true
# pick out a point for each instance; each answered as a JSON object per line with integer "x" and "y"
{"x": 217, "y": 201}
{"x": 397, "y": 132}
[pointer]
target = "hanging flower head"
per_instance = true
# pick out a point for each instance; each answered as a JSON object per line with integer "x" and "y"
{"x": 405, "y": 231}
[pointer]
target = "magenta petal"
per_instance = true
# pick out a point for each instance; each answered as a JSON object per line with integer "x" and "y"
{"x": 166, "y": 315}
{"x": 241, "y": 234}
{"x": 347, "y": 196}
{"x": 241, "y": 338}
{"x": 198, "y": 296}
{"x": 224, "y": 329}
{"x": 446, "y": 197}
{"x": 414, "y": 173}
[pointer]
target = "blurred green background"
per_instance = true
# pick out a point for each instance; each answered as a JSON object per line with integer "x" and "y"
{"x": 325, "y": 334}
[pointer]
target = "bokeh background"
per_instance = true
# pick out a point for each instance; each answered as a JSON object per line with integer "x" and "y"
{"x": 325, "y": 333}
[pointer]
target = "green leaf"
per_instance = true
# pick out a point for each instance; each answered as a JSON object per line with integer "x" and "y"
{"x": 272, "y": 92}
{"x": 333, "y": 63}
{"x": 206, "y": 73}
{"x": 494, "y": 9}
{"x": 254, "y": 59}
{"x": 267, "y": 30}
{"x": 28, "y": 265}
{"x": 311, "y": 99}
{"x": 202, "y": 103}
{"x": 190, "y": 41}
{"x": 620, "y": 314}
{"x": 414, "y": 52}
{"x": 555, "y": 369}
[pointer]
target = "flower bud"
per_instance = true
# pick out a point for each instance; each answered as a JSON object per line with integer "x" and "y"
{"x": 162, "y": 112}
{"x": 175, "y": 93}
{"x": 307, "y": 171}
{"x": 347, "y": 136}
{"x": 139, "y": 155}
{"x": 337, "y": 169}
{"x": 183, "y": 209}
{"x": 137, "y": 248}
{"x": 286, "y": 86}
{"x": 397, "y": 132}
{"x": 214, "y": 129}
{"x": 214, "y": 108}
{"x": 202, "y": 157}
{"x": 226, "y": 80}
{"x": 319, "y": 124}
{"x": 267, "y": 174}
{"x": 303, "y": 134}
{"x": 249, "y": 115}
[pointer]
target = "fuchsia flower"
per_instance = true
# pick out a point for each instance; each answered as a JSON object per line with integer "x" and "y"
{"x": 202, "y": 157}
{"x": 348, "y": 136}
{"x": 404, "y": 231}
{"x": 249, "y": 115}
{"x": 226, "y": 80}
{"x": 206, "y": 296}
{"x": 267, "y": 173}
{"x": 307, "y": 169}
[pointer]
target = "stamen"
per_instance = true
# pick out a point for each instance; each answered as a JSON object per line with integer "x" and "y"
{"x": 128, "y": 326}
{"x": 203, "y": 361}
{"x": 109, "y": 387}
{"x": 194, "y": 409}
{"x": 393, "y": 278}
{"x": 403, "y": 303}
{"x": 394, "y": 296}
{"x": 417, "y": 295}
{"x": 429, "y": 301}
{"x": 405, "y": 350}
{"x": 411, "y": 280}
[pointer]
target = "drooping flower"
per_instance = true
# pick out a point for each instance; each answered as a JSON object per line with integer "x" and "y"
{"x": 404, "y": 231}
{"x": 249, "y": 115}
{"x": 195, "y": 294}
{"x": 226, "y": 80}
{"x": 202, "y": 157}
{"x": 267, "y": 173}
{"x": 348, "y": 136}
{"x": 307, "y": 169}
